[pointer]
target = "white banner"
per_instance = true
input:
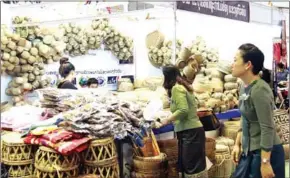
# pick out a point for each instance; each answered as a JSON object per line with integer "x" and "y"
{"x": 99, "y": 64}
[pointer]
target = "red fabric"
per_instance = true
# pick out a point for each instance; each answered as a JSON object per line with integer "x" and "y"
{"x": 58, "y": 135}
{"x": 64, "y": 148}
{"x": 277, "y": 52}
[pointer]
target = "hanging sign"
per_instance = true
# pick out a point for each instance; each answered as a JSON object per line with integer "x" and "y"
{"x": 235, "y": 10}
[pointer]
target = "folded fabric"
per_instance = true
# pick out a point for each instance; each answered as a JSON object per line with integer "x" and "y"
{"x": 64, "y": 148}
{"x": 58, "y": 135}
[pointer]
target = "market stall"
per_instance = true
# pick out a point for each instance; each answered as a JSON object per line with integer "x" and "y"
{"x": 110, "y": 131}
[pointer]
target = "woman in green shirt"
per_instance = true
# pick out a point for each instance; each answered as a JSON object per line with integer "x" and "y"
{"x": 262, "y": 152}
{"x": 189, "y": 129}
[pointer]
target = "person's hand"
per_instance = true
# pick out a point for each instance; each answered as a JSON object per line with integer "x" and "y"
{"x": 267, "y": 171}
{"x": 236, "y": 153}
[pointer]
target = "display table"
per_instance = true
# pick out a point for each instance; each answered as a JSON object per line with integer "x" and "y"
{"x": 221, "y": 116}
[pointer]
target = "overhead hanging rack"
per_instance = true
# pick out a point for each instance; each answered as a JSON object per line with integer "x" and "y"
{"x": 92, "y": 17}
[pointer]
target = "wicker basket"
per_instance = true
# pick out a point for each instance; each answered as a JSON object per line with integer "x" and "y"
{"x": 210, "y": 149}
{"x": 20, "y": 170}
{"x": 49, "y": 161}
{"x": 150, "y": 164}
{"x": 105, "y": 171}
{"x": 230, "y": 129}
{"x": 154, "y": 39}
{"x": 14, "y": 150}
{"x": 150, "y": 175}
{"x": 101, "y": 152}
{"x": 58, "y": 174}
{"x": 170, "y": 148}
{"x": 223, "y": 162}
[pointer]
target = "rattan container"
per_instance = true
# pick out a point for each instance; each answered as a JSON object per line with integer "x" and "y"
{"x": 110, "y": 170}
{"x": 150, "y": 166}
{"x": 101, "y": 159}
{"x": 230, "y": 144}
{"x": 49, "y": 163}
{"x": 17, "y": 156}
{"x": 286, "y": 151}
{"x": 231, "y": 129}
{"x": 15, "y": 150}
{"x": 20, "y": 169}
{"x": 100, "y": 152}
{"x": 223, "y": 166}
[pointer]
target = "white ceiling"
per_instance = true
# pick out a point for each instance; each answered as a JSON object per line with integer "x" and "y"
{"x": 284, "y": 4}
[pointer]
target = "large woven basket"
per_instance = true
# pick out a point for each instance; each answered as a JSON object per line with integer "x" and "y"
{"x": 230, "y": 129}
{"x": 101, "y": 152}
{"x": 150, "y": 165}
{"x": 210, "y": 149}
{"x": 47, "y": 160}
{"x": 105, "y": 171}
{"x": 154, "y": 39}
{"x": 170, "y": 148}
{"x": 150, "y": 175}
{"x": 223, "y": 162}
{"x": 14, "y": 151}
{"x": 58, "y": 174}
{"x": 21, "y": 170}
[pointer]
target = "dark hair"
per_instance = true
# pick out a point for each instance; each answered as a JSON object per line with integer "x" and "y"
{"x": 253, "y": 54}
{"x": 266, "y": 75}
{"x": 65, "y": 67}
{"x": 173, "y": 76}
{"x": 92, "y": 81}
{"x": 281, "y": 65}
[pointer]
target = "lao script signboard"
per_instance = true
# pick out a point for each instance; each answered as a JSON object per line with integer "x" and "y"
{"x": 281, "y": 119}
{"x": 235, "y": 10}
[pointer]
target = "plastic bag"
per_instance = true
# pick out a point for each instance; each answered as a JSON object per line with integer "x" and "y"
{"x": 152, "y": 108}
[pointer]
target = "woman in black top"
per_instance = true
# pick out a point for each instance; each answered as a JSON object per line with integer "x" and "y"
{"x": 67, "y": 72}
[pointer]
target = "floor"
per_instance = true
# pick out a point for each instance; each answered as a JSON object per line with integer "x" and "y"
{"x": 287, "y": 169}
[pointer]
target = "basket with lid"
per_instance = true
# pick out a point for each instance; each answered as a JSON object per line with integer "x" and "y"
{"x": 223, "y": 162}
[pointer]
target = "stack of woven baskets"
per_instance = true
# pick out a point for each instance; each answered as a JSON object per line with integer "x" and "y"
{"x": 49, "y": 163}
{"x": 170, "y": 148}
{"x": 101, "y": 159}
{"x": 17, "y": 156}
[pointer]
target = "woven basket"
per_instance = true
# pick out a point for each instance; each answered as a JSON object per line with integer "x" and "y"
{"x": 21, "y": 170}
{"x": 150, "y": 175}
{"x": 101, "y": 152}
{"x": 59, "y": 174}
{"x": 16, "y": 151}
{"x": 170, "y": 148}
{"x": 223, "y": 162}
{"x": 210, "y": 149}
{"x": 47, "y": 160}
{"x": 105, "y": 171}
{"x": 154, "y": 39}
{"x": 150, "y": 165}
{"x": 230, "y": 129}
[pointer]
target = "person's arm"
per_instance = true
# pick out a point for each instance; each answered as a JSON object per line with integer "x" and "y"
{"x": 263, "y": 103}
{"x": 179, "y": 96}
